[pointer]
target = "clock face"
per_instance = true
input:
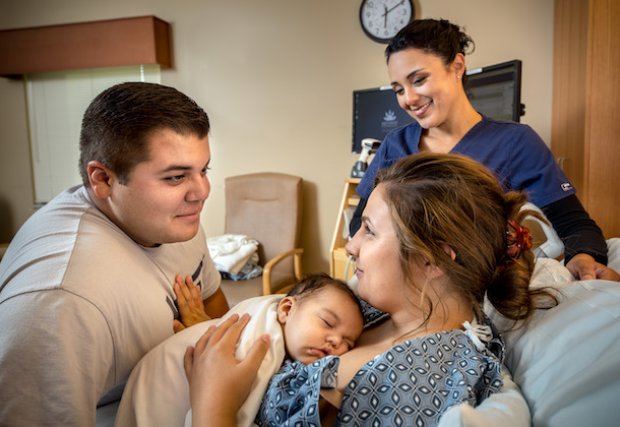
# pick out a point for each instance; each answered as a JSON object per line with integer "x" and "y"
{"x": 382, "y": 19}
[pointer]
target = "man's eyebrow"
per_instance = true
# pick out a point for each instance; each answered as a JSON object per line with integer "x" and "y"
{"x": 175, "y": 168}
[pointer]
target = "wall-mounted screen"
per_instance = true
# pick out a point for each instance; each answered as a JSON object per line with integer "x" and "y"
{"x": 375, "y": 113}
{"x": 495, "y": 90}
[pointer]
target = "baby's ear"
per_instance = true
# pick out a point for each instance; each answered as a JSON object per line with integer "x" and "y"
{"x": 284, "y": 308}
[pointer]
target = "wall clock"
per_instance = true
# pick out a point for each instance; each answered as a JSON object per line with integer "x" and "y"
{"x": 382, "y": 19}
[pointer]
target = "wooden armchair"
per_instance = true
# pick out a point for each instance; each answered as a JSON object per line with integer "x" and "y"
{"x": 266, "y": 207}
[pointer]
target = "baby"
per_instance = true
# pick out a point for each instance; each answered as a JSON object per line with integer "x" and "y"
{"x": 319, "y": 317}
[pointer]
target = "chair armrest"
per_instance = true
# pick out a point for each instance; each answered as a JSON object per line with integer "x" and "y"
{"x": 296, "y": 253}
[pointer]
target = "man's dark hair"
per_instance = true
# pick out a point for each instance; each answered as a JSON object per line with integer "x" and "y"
{"x": 118, "y": 122}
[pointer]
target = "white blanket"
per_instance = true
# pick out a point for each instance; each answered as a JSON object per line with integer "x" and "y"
{"x": 230, "y": 252}
{"x": 157, "y": 393}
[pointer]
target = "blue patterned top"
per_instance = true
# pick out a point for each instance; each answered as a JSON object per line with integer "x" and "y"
{"x": 411, "y": 384}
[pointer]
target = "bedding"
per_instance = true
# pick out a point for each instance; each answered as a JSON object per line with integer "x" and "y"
{"x": 565, "y": 361}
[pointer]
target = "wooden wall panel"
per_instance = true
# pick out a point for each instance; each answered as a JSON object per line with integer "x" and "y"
{"x": 569, "y": 82}
{"x": 602, "y": 131}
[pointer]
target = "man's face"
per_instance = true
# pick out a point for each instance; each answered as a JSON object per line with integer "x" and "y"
{"x": 162, "y": 200}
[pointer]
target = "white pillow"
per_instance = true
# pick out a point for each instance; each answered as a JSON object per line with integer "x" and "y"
{"x": 613, "y": 253}
{"x": 567, "y": 359}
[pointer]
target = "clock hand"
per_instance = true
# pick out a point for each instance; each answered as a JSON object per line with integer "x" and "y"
{"x": 392, "y": 8}
{"x": 385, "y": 16}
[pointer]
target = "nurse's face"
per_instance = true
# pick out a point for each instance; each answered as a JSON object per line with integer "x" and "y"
{"x": 426, "y": 88}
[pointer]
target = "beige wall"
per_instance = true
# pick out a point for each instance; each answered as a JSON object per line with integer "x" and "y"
{"x": 276, "y": 78}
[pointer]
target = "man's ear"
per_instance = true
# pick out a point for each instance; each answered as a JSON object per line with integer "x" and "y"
{"x": 284, "y": 308}
{"x": 100, "y": 179}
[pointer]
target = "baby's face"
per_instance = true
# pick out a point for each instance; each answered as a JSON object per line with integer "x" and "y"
{"x": 327, "y": 322}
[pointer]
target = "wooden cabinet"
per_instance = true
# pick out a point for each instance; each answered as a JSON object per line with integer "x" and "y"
{"x": 586, "y": 93}
{"x": 119, "y": 42}
{"x": 340, "y": 265}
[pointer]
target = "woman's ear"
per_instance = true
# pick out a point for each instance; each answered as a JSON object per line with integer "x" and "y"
{"x": 434, "y": 271}
{"x": 284, "y": 308}
{"x": 100, "y": 179}
{"x": 459, "y": 65}
{"x": 448, "y": 250}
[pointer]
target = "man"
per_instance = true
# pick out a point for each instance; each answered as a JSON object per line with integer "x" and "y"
{"x": 86, "y": 285}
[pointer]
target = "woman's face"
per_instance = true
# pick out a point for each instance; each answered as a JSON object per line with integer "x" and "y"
{"x": 427, "y": 89}
{"x": 376, "y": 247}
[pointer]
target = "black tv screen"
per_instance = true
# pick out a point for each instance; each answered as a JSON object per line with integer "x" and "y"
{"x": 495, "y": 90}
{"x": 375, "y": 113}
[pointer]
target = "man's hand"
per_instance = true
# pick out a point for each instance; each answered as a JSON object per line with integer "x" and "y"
{"x": 218, "y": 382}
{"x": 584, "y": 267}
{"x": 189, "y": 300}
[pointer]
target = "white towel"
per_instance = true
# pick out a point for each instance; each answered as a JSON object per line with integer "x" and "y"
{"x": 230, "y": 252}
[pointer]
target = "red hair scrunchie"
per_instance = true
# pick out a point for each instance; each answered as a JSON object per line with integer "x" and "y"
{"x": 518, "y": 239}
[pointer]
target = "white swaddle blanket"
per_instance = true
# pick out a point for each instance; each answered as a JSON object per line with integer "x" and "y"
{"x": 157, "y": 393}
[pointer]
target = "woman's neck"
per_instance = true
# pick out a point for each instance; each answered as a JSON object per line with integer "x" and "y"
{"x": 448, "y": 313}
{"x": 443, "y": 139}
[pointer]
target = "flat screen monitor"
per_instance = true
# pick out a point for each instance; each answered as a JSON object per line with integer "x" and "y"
{"x": 375, "y": 113}
{"x": 495, "y": 90}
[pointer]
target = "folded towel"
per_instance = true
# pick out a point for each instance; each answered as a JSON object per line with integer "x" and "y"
{"x": 230, "y": 252}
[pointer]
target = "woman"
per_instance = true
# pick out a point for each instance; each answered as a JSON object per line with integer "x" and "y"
{"x": 439, "y": 234}
{"x": 426, "y": 66}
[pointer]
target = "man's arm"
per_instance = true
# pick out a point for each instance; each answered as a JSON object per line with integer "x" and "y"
{"x": 54, "y": 363}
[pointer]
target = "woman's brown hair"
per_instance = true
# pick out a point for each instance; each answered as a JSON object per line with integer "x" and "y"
{"x": 438, "y": 200}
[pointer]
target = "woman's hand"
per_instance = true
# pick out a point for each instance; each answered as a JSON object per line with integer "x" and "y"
{"x": 584, "y": 267}
{"x": 189, "y": 300}
{"x": 218, "y": 382}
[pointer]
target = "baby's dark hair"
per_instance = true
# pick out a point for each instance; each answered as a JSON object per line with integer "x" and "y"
{"x": 313, "y": 283}
{"x": 449, "y": 200}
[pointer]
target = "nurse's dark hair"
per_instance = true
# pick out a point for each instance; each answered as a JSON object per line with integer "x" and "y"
{"x": 440, "y": 201}
{"x": 119, "y": 121}
{"x": 437, "y": 36}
